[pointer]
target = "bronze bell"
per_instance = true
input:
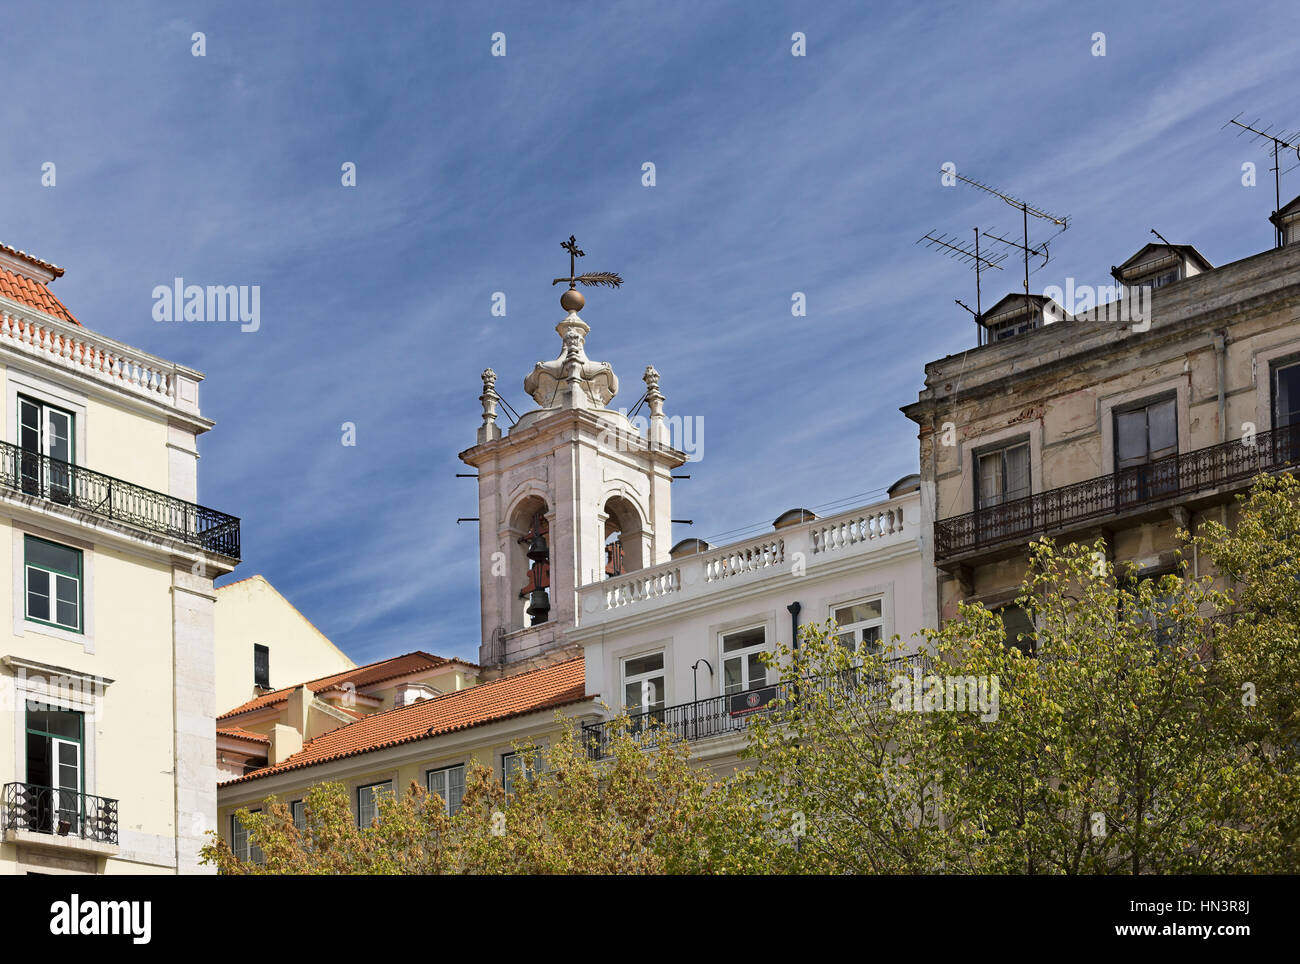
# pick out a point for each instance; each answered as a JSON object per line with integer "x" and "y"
{"x": 537, "y": 550}
{"x": 539, "y": 606}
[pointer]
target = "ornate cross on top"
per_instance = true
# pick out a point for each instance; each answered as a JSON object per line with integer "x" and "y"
{"x": 589, "y": 278}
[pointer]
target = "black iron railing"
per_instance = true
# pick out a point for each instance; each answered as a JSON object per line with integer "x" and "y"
{"x": 62, "y": 813}
{"x": 1185, "y": 474}
{"x": 732, "y": 712}
{"x": 79, "y": 488}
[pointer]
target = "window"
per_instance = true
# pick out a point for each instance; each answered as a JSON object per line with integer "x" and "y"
{"x": 1144, "y": 435}
{"x": 368, "y": 798}
{"x": 1019, "y": 629}
{"x": 742, "y": 664}
{"x": 860, "y": 626}
{"x": 513, "y": 769}
{"x": 240, "y": 845}
{"x": 1158, "y": 280}
{"x": 643, "y": 683}
{"x": 1002, "y": 475}
{"x": 53, "y": 583}
{"x": 1286, "y": 394}
{"x": 298, "y": 809}
{"x": 1286, "y": 412}
{"x": 54, "y": 764}
{"x": 261, "y": 666}
{"x": 45, "y": 431}
{"x": 448, "y": 783}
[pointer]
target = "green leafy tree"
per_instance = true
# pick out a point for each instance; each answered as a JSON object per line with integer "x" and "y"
{"x": 1110, "y": 742}
{"x": 644, "y": 810}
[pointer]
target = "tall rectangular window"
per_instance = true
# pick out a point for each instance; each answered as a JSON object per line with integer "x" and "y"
{"x": 261, "y": 666}
{"x": 1146, "y": 433}
{"x": 1286, "y": 394}
{"x": 449, "y": 784}
{"x": 1002, "y": 475}
{"x": 52, "y": 583}
{"x": 643, "y": 683}
{"x": 368, "y": 798}
{"x": 513, "y": 769}
{"x": 240, "y": 844}
{"x": 860, "y": 625}
{"x": 298, "y": 810}
{"x": 44, "y": 430}
{"x": 54, "y": 768}
{"x": 1286, "y": 411}
{"x": 742, "y": 663}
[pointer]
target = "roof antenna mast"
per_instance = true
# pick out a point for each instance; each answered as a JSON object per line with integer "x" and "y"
{"x": 1282, "y": 141}
{"x": 1027, "y": 211}
{"x": 966, "y": 254}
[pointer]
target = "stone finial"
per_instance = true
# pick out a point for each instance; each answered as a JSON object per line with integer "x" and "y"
{"x": 654, "y": 398}
{"x": 489, "y": 429}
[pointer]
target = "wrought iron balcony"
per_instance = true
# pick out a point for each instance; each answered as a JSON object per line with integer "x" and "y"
{"x": 1127, "y": 491}
{"x": 732, "y": 712}
{"x": 34, "y": 474}
{"x": 61, "y": 813}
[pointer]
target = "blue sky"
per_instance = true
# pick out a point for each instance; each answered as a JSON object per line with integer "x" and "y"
{"x": 774, "y": 174}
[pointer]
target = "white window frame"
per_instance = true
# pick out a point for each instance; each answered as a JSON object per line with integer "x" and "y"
{"x": 444, "y": 792}
{"x": 878, "y": 622}
{"x": 240, "y": 843}
{"x": 742, "y": 655}
{"x": 644, "y": 678}
{"x": 508, "y": 757}
{"x": 373, "y": 798}
{"x": 297, "y": 807}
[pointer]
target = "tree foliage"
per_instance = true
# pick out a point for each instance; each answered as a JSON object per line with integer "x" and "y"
{"x": 1150, "y": 725}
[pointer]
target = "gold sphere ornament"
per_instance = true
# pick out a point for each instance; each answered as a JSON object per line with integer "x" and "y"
{"x": 572, "y": 300}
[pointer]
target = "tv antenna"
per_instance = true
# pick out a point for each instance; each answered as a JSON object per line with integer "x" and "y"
{"x": 966, "y": 254}
{"x": 1027, "y": 211}
{"x": 1282, "y": 141}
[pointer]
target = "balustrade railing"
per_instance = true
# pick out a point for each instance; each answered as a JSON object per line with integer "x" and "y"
{"x": 733, "y": 712}
{"x": 1184, "y": 474}
{"x": 34, "y": 474}
{"x": 59, "y": 812}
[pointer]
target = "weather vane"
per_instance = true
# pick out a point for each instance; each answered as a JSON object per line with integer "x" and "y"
{"x": 572, "y": 300}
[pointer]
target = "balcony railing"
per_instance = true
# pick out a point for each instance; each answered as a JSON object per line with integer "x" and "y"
{"x": 62, "y": 813}
{"x": 79, "y": 488}
{"x": 733, "y": 712}
{"x": 1175, "y": 476}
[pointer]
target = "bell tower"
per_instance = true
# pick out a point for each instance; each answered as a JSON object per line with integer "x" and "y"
{"x": 569, "y": 495}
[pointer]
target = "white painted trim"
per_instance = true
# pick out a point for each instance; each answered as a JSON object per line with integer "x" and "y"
{"x": 1262, "y": 360}
{"x": 19, "y": 382}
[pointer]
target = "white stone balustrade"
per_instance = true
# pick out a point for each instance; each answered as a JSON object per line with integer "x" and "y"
{"x": 92, "y": 355}
{"x": 859, "y": 531}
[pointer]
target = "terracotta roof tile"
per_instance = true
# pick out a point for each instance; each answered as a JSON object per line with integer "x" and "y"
{"x": 33, "y": 294}
{"x": 239, "y": 733}
{"x": 554, "y": 686}
{"x": 53, "y": 269}
{"x": 358, "y": 676}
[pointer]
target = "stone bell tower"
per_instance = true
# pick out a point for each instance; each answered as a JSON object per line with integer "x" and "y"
{"x": 569, "y": 495}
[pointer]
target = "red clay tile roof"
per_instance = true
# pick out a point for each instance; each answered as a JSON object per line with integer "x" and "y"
{"x": 32, "y": 293}
{"x": 54, "y": 269}
{"x": 541, "y": 689}
{"x": 239, "y": 733}
{"x": 358, "y": 676}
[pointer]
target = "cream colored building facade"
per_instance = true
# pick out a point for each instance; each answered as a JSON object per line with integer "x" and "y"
{"x": 107, "y": 660}
{"x": 265, "y": 643}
